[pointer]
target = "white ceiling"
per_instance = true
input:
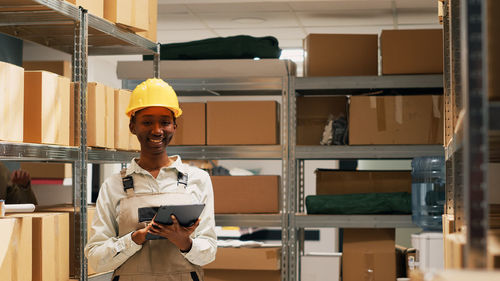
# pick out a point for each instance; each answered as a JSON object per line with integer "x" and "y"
{"x": 289, "y": 21}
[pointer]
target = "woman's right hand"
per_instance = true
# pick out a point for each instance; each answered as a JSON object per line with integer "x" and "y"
{"x": 139, "y": 236}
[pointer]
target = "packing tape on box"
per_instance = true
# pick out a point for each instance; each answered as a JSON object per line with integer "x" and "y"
{"x": 399, "y": 109}
{"x": 436, "y": 112}
{"x": 373, "y": 102}
{"x": 19, "y": 208}
{"x": 369, "y": 267}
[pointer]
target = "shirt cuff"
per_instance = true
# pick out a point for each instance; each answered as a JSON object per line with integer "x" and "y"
{"x": 194, "y": 251}
{"x": 126, "y": 245}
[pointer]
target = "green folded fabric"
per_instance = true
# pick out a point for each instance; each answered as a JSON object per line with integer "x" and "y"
{"x": 360, "y": 204}
{"x": 234, "y": 47}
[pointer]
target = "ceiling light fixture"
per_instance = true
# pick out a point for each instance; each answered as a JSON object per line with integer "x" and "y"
{"x": 249, "y": 20}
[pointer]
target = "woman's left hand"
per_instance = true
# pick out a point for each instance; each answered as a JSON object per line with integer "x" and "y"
{"x": 176, "y": 233}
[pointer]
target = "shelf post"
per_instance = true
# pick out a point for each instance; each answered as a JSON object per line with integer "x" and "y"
{"x": 289, "y": 100}
{"x": 79, "y": 77}
{"x": 156, "y": 62}
{"x": 475, "y": 156}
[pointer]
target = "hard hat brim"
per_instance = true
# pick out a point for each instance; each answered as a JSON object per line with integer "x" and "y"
{"x": 177, "y": 111}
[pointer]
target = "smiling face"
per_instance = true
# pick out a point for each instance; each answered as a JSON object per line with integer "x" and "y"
{"x": 154, "y": 128}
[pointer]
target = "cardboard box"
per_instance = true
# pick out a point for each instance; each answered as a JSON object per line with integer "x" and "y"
{"x": 312, "y": 116}
{"x": 128, "y": 14}
{"x": 95, "y": 7}
{"x": 448, "y": 228}
{"x": 151, "y": 33}
{"x": 352, "y": 182}
{"x": 61, "y": 68}
{"x": 246, "y": 264}
{"x": 110, "y": 117}
{"x": 11, "y": 102}
{"x": 96, "y": 114}
{"x": 73, "y": 264}
{"x": 72, "y": 116}
{"x": 321, "y": 266}
{"x": 191, "y": 125}
{"x": 396, "y": 120}
{"x": 47, "y": 170}
{"x": 46, "y": 108}
{"x": 122, "y": 131}
{"x": 368, "y": 254}
{"x": 50, "y": 240}
{"x": 265, "y": 258}
{"x": 340, "y": 55}
{"x": 454, "y": 245}
{"x": 241, "y": 275}
{"x": 418, "y": 51}
{"x": 493, "y": 29}
{"x": 100, "y": 116}
{"x": 242, "y": 122}
{"x": 62, "y": 115}
{"x": 246, "y": 194}
{"x": 15, "y": 249}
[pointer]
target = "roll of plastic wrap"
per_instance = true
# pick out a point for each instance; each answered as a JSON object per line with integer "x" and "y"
{"x": 19, "y": 208}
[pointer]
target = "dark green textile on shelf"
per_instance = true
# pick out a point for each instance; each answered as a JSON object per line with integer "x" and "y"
{"x": 234, "y": 47}
{"x": 360, "y": 204}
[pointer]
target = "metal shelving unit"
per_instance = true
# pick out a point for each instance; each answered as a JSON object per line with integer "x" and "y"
{"x": 242, "y": 86}
{"x": 473, "y": 123}
{"x": 65, "y": 27}
{"x": 298, "y": 220}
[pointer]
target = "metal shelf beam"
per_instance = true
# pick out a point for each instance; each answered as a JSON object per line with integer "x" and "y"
{"x": 367, "y": 151}
{"x": 102, "y": 156}
{"x": 235, "y": 86}
{"x": 247, "y": 220}
{"x": 354, "y": 221}
{"x": 227, "y": 152}
{"x": 37, "y": 152}
{"x": 369, "y": 82}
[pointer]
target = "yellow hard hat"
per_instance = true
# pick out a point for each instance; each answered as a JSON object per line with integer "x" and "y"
{"x": 153, "y": 92}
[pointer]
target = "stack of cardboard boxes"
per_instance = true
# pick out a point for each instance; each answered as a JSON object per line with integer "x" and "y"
{"x": 36, "y": 247}
{"x": 367, "y": 253}
{"x": 415, "y": 119}
{"x": 39, "y": 108}
{"x": 234, "y": 123}
{"x": 372, "y": 120}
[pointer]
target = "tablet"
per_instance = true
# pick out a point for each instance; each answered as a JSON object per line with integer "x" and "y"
{"x": 186, "y": 214}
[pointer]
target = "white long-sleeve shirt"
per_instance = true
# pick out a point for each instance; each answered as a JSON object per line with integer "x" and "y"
{"x": 106, "y": 251}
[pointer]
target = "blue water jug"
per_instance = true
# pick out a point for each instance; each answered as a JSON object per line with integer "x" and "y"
{"x": 428, "y": 192}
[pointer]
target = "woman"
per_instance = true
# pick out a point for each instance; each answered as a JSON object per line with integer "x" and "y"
{"x": 119, "y": 240}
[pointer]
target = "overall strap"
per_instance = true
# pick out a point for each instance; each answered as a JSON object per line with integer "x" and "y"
{"x": 128, "y": 182}
{"x": 182, "y": 179}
